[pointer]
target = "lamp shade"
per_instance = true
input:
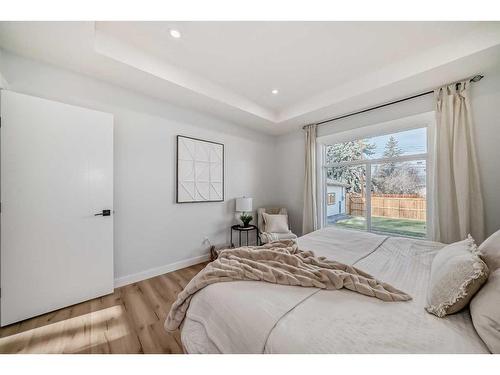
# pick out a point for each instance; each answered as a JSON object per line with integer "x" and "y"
{"x": 243, "y": 204}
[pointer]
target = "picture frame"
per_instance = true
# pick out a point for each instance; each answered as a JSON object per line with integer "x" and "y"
{"x": 199, "y": 170}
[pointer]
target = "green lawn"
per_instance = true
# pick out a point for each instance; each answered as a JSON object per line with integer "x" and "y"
{"x": 403, "y": 227}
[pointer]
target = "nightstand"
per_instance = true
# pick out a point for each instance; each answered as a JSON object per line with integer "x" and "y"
{"x": 240, "y": 229}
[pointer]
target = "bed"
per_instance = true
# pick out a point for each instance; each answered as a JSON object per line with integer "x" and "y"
{"x": 260, "y": 317}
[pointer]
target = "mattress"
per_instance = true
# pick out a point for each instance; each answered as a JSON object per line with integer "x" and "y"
{"x": 259, "y": 317}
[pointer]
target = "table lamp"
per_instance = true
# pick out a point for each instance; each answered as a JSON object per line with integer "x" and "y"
{"x": 244, "y": 205}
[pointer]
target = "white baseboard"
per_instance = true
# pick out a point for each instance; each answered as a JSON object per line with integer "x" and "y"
{"x": 152, "y": 272}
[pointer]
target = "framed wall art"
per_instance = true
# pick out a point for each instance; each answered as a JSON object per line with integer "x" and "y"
{"x": 200, "y": 170}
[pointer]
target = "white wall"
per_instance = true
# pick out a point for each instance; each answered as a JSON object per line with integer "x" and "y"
{"x": 151, "y": 230}
{"x": 290, "y": 158}
{"x": 486, "y": 114}
{"x": 3, "y": 81}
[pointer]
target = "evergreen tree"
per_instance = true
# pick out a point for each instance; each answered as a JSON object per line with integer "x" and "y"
{"x": 392, "y": 148}
{"x": 395, "y": 178}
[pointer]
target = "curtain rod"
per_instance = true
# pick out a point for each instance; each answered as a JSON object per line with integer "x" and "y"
{"x": 475, "y": 78}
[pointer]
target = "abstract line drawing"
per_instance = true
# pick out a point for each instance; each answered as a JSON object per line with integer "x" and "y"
{"x": 200, "y": 170}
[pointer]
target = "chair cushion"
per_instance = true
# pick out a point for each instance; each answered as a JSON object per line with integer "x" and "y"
{"x": 457, "y": 273}
{"x": 275, "y": 223}
{"x": 269, "y": 237}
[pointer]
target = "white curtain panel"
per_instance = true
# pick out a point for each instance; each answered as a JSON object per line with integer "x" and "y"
{"x": 310, "y": 217}
{"x": 458, "y": 203}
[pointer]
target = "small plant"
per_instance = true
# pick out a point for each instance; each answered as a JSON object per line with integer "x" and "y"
{"x": 246, "y": 219}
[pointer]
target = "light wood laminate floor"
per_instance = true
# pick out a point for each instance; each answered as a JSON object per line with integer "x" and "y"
{"x": 128, "y": 321}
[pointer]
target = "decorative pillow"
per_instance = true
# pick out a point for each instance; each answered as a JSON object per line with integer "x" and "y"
{"x": 485, "y": 312}
{"x": 275, "y": 223}
{"x": 489, "y": 251}
{"x": 457, "y": 273}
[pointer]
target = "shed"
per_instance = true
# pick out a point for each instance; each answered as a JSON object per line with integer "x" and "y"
{"x": 335, "y": 197}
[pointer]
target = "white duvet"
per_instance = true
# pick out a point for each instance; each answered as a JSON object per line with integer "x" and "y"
{"x": 259, "y": 317}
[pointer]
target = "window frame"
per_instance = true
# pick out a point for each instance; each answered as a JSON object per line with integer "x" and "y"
{"x": 424, "y": 120}
{"x": 328, "y": 202}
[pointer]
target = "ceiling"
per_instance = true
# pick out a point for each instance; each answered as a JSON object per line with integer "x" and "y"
{"x": 228, "y": 69}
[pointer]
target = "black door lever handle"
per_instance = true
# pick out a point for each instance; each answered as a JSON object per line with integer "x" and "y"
{"x": 104, "y": 213}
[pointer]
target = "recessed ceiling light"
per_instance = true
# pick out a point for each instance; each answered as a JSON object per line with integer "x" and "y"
{"x": 274, "y": 91}
{"x": 174, "y": 33}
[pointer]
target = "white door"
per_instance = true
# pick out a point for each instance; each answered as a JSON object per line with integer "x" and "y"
{"x": 56, "y": 174}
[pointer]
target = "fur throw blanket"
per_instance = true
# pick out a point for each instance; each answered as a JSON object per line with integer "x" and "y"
{"x": 280, "y": 263}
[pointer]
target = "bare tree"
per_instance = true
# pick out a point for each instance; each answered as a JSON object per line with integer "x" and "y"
{"x": 396, "y": 177}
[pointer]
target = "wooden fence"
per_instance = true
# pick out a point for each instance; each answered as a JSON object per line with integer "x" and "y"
{"x": 395, "y": 206}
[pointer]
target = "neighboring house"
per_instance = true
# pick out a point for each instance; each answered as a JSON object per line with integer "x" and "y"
{"x": 335, "y": 197}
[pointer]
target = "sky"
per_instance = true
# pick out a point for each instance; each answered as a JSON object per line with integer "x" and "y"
{"x": 411, "y": 142}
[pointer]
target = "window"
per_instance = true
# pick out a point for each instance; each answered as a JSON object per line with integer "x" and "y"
{"x": 384, "y": 178}
{"x": 331, "y": 199}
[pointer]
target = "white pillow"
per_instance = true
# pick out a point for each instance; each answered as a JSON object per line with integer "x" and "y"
{"x": 275, "y": 223}
{"x": 485, "y": 306}
{"x": 485, "y": 312}
{"x": 489, "y": 251}
{"x": 457, "y": 273}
